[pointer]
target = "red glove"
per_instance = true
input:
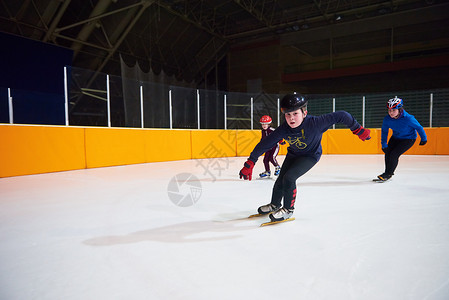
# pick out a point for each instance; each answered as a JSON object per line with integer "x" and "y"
{"x": 362, "y": 133}
{"x": 247, "y": 171}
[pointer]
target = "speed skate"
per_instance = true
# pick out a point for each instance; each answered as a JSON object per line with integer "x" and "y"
{"x": 276, "y": 222}
{"x": 270, "y": 222}
{"x": 379, "y": 180}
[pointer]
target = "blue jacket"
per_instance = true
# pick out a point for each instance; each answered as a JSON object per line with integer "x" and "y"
{"x": 404, "y": 127}
{"x": 304, "y": 140}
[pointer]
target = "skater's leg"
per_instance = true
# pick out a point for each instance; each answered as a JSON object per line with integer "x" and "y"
{"x": 300, "y": 166}
{"x": 266, "y": 161}
{"x": 396, "y": 147}
{"x": 297, "y": 167}
{"x": 273, "y": 154}
{"x": 285, "y": 185}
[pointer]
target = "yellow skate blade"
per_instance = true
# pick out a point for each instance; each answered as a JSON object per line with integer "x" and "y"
{"x": 276, "y": 222}
{"x": 258, "y": 215}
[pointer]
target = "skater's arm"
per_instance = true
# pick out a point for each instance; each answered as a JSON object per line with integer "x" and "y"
{"x": 422, "y": 134}
{"x": 338, "y": 117}
{"x": 384, "y": 134}
{"x": 343, "y": 117}
{"x": 266, "y": 144}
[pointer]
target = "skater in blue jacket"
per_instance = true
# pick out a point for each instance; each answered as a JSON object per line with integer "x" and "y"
{"x": 404, "y": 127}
{"x": 303, "y": 133}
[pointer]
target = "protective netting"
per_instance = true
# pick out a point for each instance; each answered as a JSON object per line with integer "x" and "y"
{"x": 148, "y": 92}
{"x": 142, "y": 103}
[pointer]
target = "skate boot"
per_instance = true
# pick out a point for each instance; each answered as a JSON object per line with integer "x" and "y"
{"x": 281, "y": 214}
{"x": 267, "y": 208}
{"x": 384, "y": 177}
{"x": 265, "y": 174}
{"x": 277, "y": 170}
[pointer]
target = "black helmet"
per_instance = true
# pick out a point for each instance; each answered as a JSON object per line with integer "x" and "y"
{"x": 291, "y": 102}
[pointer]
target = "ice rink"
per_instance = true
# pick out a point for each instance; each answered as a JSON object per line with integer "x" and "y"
{"x": 178, "y": 230}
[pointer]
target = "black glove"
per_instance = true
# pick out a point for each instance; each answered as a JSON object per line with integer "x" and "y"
{"x": 422, "y": 143}
{"x": 385, "y": 149}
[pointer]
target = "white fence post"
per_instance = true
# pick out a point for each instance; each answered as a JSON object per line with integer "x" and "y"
{"x": 198, "y": 107}
{"x": 333, "y": 110}
{"x": 363, "y": 112}
{"x": 141, "y": 108}
{"x": 109, "y": 100}
{"x": 10, "y": 107}
{"x": 225, "y": 114}
{"x": 66, "y": 97}
{"x": 431, "y": 110}
{"x": 252, "y": 113}
{"x": 279, "y": 120}
{"x": 170, "y": 109}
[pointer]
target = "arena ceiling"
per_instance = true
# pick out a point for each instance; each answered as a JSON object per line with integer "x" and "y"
{"x": 187, "y": 38}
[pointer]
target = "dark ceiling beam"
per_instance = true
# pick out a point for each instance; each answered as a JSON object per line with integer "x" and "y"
{"x": 186, "y": 19}
{"x": 112, "y": 51}
{"x": 253, "y": 11}
{"x": 323, "y": 13}
{"x": 22, "y": 10}
{"x": 18, "y": 17}
{"x": 145, "y": 5}
{"x": 201, "y": 66}
{"x": 416, "y": 63}
{"x": 317, "y": 19}
{"x": 100, "y": 16}
{"x": 81, "y": 42}
{"x": 41, "y": 18}
{"x": 131, "y": 12}
{"x": 88, "y": 27}
{"x": 55, "y": 21}
{"x": 117, "y": 30}
{"x": 388, "y": 21}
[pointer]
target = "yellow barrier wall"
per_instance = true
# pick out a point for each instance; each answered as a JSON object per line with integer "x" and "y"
{"x": 167, "y": 145}
{"x": 246, "y": 141}
{"x": 213, "y": 143}
{"x": 441, "y": 137}
{"x": 112, "y": 147}
{"x": 343, "y": 141}
{"x": 30, "y": 149}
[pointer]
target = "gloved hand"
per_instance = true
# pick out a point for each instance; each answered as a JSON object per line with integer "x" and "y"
{"x": 362, "y": 133}
{"x": 247, "y": 171}
{"x": 282, "y": 142}
{"x": 385, "y": 149}
{"x": 422, "y": 143}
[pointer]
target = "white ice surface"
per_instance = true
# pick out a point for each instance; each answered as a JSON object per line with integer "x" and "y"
{"x": 113, "y": 233}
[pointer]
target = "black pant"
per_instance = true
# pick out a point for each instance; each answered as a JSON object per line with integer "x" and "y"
{"x": 396, "y": 147}
{"x": 285, "y": 186}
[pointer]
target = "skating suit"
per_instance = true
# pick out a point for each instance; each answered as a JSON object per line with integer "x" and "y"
{"x": 303, "y": 153}
{"x": 404, "y": 128}
{"x": 403, "y": 137}
{"x": 304, "y": 140}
